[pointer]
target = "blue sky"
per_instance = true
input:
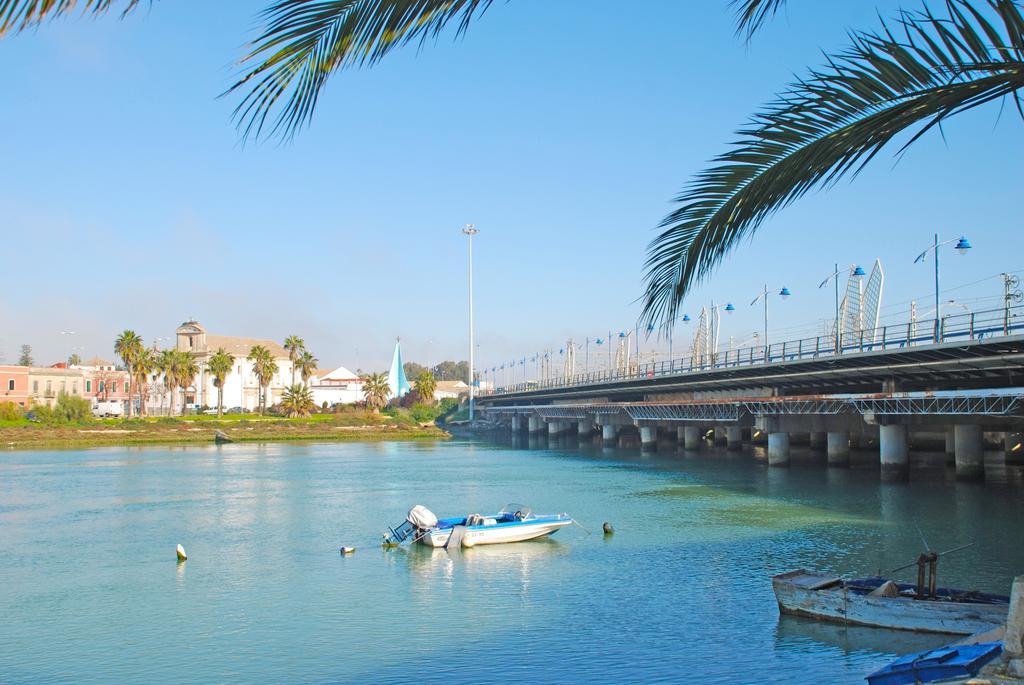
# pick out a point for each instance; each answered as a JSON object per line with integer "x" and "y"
{"x": 562, "y": 130}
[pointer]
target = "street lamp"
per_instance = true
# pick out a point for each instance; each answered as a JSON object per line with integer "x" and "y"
{"x": 471, "y": 230}
{"x": 784, "y": 293}
{"x": 857, "y": 272}
{"x": 962, "y": 247}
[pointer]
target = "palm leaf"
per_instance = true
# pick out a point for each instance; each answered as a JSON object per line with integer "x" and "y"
{"x": 752, "y": 14}
{"x": 305, "y": 41}
{"x": 831, "y": 124}
{"x": 18, "y": 15}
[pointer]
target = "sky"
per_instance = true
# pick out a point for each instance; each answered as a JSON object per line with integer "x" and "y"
{"x": 561, "y": 130}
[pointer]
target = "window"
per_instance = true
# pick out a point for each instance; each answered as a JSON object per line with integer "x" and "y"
{"x": 74, "y": 388}
{"x": 10, "y": 384}
{"x": 63, "y": 386}
{"x": 126, "y": 387}
{"x": 88, "y": 386}
{"x": 101, "y": 386}
{"x": 35, "y": 387}
{"x": 49, "y": 386}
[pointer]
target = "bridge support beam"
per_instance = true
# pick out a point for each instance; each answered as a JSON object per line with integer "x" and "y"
{"x": 893, "y": 451}
{"x": 734, "y": 437}
{"x": 819, "y": 439}
{"x": 838, "y": 448}
{"x": 609, "y": 434}
{"x": 648, "y": 437}
{"x": 778, "y": 449}
{"x": 585, "y": 427}
{"x": 516, "y": 427}
{"x": 554, "y": 428}
{"x": 969, "y": 449}
{"x": 691, "y": 437}
{"x": 950, "y": 446}
{"x": 535, "y": 424}
{"x": 681, "y": 435}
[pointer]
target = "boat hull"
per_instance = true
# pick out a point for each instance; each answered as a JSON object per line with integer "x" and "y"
{"x": 842, "y": 605}
{"x": 519, "y": 531}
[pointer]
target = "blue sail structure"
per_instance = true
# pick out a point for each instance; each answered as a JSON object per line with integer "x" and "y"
{"x": 397, "y": 381}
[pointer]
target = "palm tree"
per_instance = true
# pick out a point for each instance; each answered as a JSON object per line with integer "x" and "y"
{"x": 295, "y": 346}
{"x": 376, "y": 391}
{"x": 165, "y": 364}
{"x": 128, "y": 346}
{"x": 185, "y": 371}
{"x": 219, "y": 365}
{"x": 306, "y": 365}
{"x": 145, "y": 362}
{"x": 298, "y": 401}
{"x": 425, "y": 386}
{"x": 264, "y": 366}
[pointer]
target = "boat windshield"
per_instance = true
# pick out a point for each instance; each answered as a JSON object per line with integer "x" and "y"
{"x": 513, "y": 508}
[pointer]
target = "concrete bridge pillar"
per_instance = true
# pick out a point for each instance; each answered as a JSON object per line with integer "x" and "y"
{"x": 718, "y": 436}
{"x": 1013, "y": 445}
{"x": 950, "y": 446}
{"x": 838, "y": 448}
{"x": 585, "y": 427}
{"x": 969, "y": 452}
{"x": 691, "y": 437}
{"x": 648, "y": 437}
{"x": 893, "y": 451}
{"x": 778, "y": 449}
{"x": 516, "y": 427}
{"x": 734, "y": 437}
{"x": 535, "y": 424}
{"x": 681, "y": 435}
{"x": 609, "y": 434}
{"x": 554, "y": 428}
{"x": 819, "y": 440}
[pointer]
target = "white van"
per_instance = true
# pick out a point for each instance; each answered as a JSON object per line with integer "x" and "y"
{"x": 105, "y": 408}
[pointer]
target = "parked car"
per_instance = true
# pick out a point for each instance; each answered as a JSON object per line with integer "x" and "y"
{"x": 236, "y": 410}
{"x": 108, "y": 408}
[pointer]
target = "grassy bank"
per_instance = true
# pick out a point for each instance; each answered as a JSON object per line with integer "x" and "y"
{"x": 355, "y": 425}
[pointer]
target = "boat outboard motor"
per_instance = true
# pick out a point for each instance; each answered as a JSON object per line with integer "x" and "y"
{"x": 418, "y": 520}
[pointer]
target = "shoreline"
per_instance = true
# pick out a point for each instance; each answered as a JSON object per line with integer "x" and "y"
{"x": 204, "y": 433}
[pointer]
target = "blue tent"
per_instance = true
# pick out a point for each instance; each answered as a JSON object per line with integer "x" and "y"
{"x": 397, "y": 381}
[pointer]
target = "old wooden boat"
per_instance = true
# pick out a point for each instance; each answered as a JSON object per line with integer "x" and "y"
{"x": 883, "y": 603}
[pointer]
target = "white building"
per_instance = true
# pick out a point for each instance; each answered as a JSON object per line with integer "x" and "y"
{"x": 241, "y": 388}
{"x": 339, "y": 386}
{"x": 450, "y": 389}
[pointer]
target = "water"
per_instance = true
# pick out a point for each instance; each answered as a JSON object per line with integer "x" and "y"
{"x": 90, "y": 591}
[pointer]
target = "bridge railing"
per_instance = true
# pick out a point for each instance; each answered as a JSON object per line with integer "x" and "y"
{"x": 969, "y": 326}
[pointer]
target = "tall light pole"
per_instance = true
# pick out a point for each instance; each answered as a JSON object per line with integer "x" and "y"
{"x": 962, "y": 246}
{"x": 763, "y": 297}
{"x": 471, "y": 230}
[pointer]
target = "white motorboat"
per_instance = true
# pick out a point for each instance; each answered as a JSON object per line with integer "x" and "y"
{"x": 514, "y": 523}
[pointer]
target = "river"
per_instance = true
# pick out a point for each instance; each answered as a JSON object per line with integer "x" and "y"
{"x": 90, "y": 591}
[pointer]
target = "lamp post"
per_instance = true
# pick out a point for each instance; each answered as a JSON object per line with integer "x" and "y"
{"x": 471, "y": 230}
{"x": 784, "y": 293}
{"x": 962, "y": 246}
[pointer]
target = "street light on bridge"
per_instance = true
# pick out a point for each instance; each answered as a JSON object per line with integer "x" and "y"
{"x": 962, "y": 246}
{"x": 784, "y": 293}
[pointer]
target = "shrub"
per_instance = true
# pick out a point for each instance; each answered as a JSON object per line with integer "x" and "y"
{"x": 421, "y": 413}
{"x": 9, "y": 411}
{"x": 68, "y": 409}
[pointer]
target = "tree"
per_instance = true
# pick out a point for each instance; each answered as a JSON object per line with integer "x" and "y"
{"x": 74, "y": 359}
{"x": 306, "y": 364}
{"x": 219, "y": 365}
{"x": 145, "y": 362}
{"x": 165, "y": 363}
{"x": 264, "y": 367}
{"x": 128, "y": 346}
{"x": 26, "y": 356}
{"x": 425, "y": 387}
{"x": 185, "y": 371}
{"x": 412, "y": 369}
{"x": 297, "y": 401}
{"x": 376, "y": 391}
{"x": 295, "y": 346}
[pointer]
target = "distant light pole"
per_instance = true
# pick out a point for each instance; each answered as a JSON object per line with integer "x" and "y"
{"x": 962, "y": 246}
{"x": 857, "y": 272}
{"x": 471, "y": 230}
{"x": 763, "y": 297}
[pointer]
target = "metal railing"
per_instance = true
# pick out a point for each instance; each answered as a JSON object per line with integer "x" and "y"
{"x": 973, "y": 326}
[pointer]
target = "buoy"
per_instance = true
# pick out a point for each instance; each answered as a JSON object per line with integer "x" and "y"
{"x": 181, "y": 553}
{"x": 608, "y": 530}
{"x": 348, "y": 550}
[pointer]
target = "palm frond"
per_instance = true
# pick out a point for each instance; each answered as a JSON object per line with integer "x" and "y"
{"x": 752, "y": 14}
{"x": 306, "y": 41}
{"x": 831, "y": 124}
{"x": 18, "y": 15}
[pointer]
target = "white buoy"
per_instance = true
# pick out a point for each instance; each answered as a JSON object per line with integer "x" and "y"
{"x": 181, "y": 553}
{"x": 348, "y": 550}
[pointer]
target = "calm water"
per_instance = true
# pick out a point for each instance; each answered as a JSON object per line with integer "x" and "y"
{"x": 90, "y": 591}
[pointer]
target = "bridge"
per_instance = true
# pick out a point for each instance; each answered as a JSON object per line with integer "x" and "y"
{"x": 961, "y": 376}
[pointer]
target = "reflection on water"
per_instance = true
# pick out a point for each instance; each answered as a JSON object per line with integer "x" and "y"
{"x": 91, "y": 591}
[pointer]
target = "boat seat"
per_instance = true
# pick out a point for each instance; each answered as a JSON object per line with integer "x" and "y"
{"x": 474, "y": 520}
{"x": 812, "y": 581}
